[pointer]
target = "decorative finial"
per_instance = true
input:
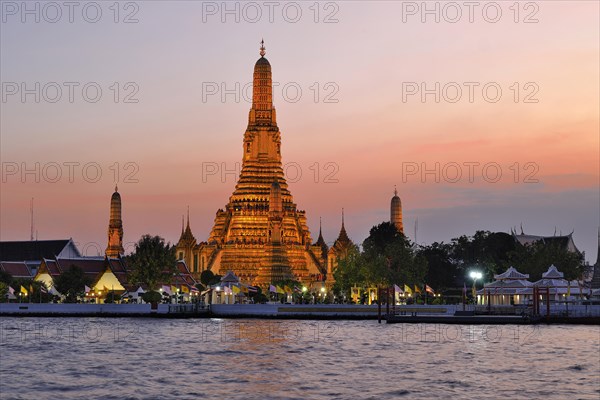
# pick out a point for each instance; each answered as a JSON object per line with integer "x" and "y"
{"x": 395, "y": 191}
{"x": 342, "y": 216}
{"x": 262, "y": 48}
{"x": 188, "y": 216}
{"x": 116, "y": 188}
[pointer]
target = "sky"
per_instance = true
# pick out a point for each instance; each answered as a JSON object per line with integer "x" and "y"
{"x": 483, "y": 117}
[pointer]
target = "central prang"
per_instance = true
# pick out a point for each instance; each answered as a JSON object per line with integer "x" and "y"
{"x": 261, "y": 236}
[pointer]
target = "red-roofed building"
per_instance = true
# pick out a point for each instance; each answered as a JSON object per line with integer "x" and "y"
{"x": 16, "y": 269}
{"x": 106, "y": 274}
{"x": 183, "y": 277}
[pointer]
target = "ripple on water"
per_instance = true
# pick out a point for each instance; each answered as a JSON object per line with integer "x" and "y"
{"x": 175, "y": 358}
{"x": 399, "y": 393}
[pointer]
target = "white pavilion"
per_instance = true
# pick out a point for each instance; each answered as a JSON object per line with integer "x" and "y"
{"x": 505, "y": 290}
{"x": 512, "y": 287}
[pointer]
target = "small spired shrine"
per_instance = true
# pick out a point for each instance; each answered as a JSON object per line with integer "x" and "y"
{"x": 260, "y": 235}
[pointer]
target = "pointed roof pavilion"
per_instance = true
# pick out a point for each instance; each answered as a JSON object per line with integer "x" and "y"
{"x": 321, "y": 242}
{"x": 511, "y": 274}
{"x": 343, "y": 240}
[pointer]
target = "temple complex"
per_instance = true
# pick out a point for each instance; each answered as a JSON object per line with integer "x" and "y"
{"x": 260, "y": 235}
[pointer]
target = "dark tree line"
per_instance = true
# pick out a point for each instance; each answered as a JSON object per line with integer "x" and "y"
{"x": 388, "y": 257}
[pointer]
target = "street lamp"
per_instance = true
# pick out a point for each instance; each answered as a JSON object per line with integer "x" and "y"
{"x": 475, "y": 275}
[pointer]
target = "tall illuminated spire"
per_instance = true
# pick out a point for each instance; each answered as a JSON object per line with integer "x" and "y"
{"x": 115, "y": 227}
{"x": 261, "y": 235}
{"x": 396, "y": 212}
{"x": 262, "y": 112}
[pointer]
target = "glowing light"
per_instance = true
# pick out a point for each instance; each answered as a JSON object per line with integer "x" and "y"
{"x": 475, "y": 275}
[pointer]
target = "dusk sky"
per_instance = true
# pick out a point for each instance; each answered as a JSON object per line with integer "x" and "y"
{"x": 357, "y": 120}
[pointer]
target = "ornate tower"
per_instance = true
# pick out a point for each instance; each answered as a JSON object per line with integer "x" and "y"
{"x": 261, "y": 235}
{"x": 340, "y": 249}
{"x": 321, "y": 243}
{"x": 396, "y": 212}
{"x": 184, "y": 249}
{"x": 115, "y": 227}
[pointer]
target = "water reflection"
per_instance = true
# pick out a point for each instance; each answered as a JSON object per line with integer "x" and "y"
{"x": 147, "y": 358}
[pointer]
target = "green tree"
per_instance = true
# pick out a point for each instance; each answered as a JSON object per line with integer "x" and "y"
{"x": 259, "y": 297}
{"x": 387, "y": 258}
{"x": 442, "y": 273}
{"x": 71, "y": 283}
{"x": 535, "y": 258}
{"x": 350, "y": 272}
{"x": 6, "y": 277}
{"x": 390, "y": 257}
{"x": 39, "y": 292}
{"x": 153, "y": 262}
{"x": 3, "y": 292}
{"x": 488, "y": 252}
{"x": 36, "y": 290}
{"x": 207, "y": 278}
{"x": 111, "y": 297}
{"x": 152, "y": 296}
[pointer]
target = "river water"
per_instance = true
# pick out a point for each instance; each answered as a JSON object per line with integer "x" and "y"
{"x": 97, "y": 358}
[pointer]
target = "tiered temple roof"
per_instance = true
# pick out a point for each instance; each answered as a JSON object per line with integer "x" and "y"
{"x": 243, "y": 234}
{"x": 16, "y": 269}
{"x": 563, "y": 241}
{"x": 511, "y": 274}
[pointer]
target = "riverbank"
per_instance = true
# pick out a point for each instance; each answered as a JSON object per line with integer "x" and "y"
{"x": 404, "y": 314}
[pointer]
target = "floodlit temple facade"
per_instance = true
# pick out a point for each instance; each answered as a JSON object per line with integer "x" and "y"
{"x": 260, "y": 235}
{"x": 339, "y": 251}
